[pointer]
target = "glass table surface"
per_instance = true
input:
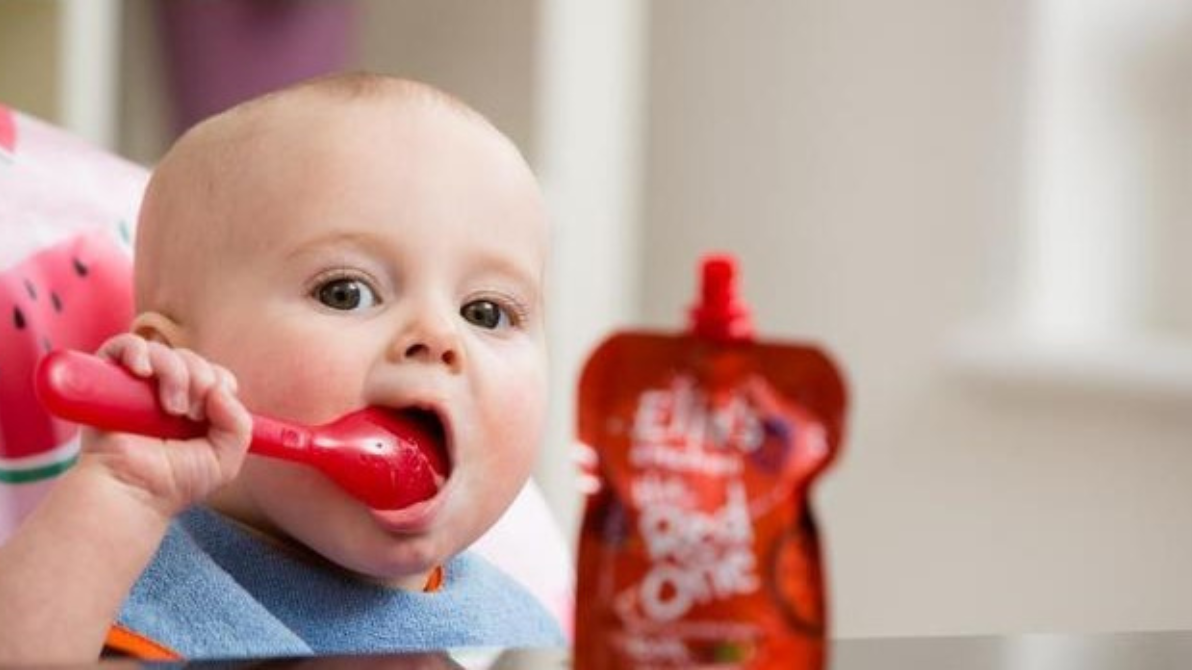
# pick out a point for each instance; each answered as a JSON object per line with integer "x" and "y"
{"x": 1115, "y": 651}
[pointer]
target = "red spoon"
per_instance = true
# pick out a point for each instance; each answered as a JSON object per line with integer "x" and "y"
{"x": 386, "y": 461}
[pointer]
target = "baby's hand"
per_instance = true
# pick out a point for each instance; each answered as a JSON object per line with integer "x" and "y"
{"x": 171, "y": 475}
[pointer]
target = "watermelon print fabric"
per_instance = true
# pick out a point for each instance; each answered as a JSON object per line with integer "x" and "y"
{"x": 66, "y": 213}
{"x": 8, "y": 134}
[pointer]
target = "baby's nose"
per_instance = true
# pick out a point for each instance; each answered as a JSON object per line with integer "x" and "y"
{"x": 427, "y": 353}
{"x": 429, "y": 339}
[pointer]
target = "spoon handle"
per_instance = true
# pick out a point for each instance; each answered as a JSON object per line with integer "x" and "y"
{"x": 87, "y": 389}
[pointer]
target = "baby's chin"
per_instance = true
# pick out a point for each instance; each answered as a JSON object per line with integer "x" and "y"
{"x": 350, "y": 536}
{"x": 404, "y": 563}
{"x": 389, "y": 557}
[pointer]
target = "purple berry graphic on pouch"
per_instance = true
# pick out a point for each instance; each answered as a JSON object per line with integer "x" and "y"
{"x": 779, "y": 440}
{"x": 616, "y": 526}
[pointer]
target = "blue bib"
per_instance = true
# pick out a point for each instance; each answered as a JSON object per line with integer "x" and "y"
{"x": 216, "y": 591}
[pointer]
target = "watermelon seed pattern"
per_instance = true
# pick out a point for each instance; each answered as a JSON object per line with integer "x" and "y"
{"x": 73, "y": 294}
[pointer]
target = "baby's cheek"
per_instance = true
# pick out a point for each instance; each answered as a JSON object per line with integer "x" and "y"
{"x": 514, "y": 427}
{"x": 516, "y": 382}
{"x": 294, "y": 384}
{"x": 522, "y": 405}
{"x": 315, "y": 392}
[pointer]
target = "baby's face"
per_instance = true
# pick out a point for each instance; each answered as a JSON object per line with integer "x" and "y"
{"x": 384, "y": 258}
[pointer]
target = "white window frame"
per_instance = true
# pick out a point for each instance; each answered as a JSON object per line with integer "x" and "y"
{"x": 1081, "y": 313}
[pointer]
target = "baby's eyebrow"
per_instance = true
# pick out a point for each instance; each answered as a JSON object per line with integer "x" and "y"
{"x": 350, "y": 240}
{"x": 523, "y": 278}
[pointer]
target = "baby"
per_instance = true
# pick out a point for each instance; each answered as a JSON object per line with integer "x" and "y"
{"x": 352, "y": 241}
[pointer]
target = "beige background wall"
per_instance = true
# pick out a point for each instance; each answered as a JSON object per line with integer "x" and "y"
{"x": 28, "y": 37}
{"x": 865, "y": 160}
{"x": 482, "y": 52}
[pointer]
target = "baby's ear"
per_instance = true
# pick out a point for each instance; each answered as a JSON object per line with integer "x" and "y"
{"x": 157, "y": 327}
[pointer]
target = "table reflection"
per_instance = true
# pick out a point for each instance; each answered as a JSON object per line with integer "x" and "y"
{"x": 1120, "y": 651}
{"x": 468, "y": 659}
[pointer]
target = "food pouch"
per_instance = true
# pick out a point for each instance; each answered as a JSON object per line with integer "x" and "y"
{"x": 698, "y": 546}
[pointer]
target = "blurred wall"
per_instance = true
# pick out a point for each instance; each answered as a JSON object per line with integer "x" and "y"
{"x": 144, "y": 118}
{"x": 480, "y": 52}
{"x": 29, "y": 55}
{"x": 863, "y": 159}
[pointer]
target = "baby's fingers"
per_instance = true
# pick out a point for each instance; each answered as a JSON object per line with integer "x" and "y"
{"x": 173, "y": 378}
{"x": 230, "y": 428}
{"x": 225, "y": 377}
{"x": 203, "y": 379}
{"x": 588, "y": 463}
{"x": 130, "y": 351}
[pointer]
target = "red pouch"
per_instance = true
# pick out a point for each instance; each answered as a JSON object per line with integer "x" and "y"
{"x": 698, "y": 547}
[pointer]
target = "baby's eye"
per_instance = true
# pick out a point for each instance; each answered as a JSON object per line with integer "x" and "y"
{"x": 346, "y": 294}
{"x": 486, "y": 314}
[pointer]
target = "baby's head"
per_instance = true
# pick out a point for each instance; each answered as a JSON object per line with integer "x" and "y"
{"x": 358, "y": 241}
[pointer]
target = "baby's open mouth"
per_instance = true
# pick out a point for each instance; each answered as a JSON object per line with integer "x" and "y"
{"x": 415, "y": 499}
{"x": 389, "y": 459}
{"x": 433, "y": 445}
